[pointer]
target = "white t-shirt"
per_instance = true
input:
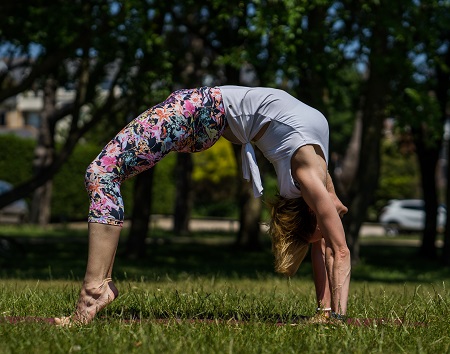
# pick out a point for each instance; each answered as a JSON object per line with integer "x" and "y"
{"x": 293, "y": 125}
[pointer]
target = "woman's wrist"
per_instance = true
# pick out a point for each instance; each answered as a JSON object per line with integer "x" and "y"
{"x": 338, "y": 316}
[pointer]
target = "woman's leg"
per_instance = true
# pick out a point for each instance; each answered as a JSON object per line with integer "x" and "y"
{"x": 103, "y": 240}
{"x": 139, "y": 146}
{"x": 323, "y": 294}
{"x": 98, "y": 290}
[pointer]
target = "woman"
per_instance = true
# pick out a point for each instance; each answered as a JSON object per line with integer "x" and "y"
{"x": 292, "y": 135}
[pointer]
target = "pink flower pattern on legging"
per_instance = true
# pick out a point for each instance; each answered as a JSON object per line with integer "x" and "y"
{"x": 190, "y": 120}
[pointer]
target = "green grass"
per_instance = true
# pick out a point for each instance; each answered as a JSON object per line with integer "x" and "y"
{"x": 209, "y": 298}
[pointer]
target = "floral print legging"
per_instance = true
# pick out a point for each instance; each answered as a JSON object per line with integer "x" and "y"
{"x": 188, "y": 120}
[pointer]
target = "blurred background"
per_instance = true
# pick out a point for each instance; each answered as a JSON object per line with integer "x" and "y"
{"x": 73, "y": 73}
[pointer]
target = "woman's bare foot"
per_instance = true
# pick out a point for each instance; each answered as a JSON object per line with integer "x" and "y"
{"x": 92, "y": 299}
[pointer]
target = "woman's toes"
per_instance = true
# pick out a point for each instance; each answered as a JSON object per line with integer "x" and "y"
{"x": 63, "y": 321}
{"x": 92, "y": 299}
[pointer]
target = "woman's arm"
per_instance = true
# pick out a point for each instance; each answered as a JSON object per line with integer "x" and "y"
{"x": 320, "y": 275}
{"x": 309, "y": 169}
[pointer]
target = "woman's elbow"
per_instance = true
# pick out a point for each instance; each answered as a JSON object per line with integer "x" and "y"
{"x": 343, "y": 252}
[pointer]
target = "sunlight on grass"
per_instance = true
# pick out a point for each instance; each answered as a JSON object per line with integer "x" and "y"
{"x": 170, "y": 316}
{"x": 210, "y": 298}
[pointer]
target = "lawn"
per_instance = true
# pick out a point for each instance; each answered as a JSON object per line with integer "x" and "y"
{"x": 203, "y": 296}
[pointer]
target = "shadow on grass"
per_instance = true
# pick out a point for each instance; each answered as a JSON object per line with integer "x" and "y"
{"x": 393, "y": 264}
{"x": 53, "y": 256}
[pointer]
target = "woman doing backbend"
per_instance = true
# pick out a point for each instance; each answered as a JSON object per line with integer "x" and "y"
{"x": 291, "y": 135}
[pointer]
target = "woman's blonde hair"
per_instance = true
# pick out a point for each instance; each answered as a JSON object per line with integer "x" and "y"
{"x": 291, "y": 227}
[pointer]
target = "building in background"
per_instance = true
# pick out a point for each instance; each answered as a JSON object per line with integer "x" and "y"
{"x": 21, "y": 115}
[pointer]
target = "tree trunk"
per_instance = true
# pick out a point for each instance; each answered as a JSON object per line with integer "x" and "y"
{"x": 43, "y": 156}
{"x": 345, "y": 174}
{"x": 428, "y": 155}
{"x": 345, "y": 177}
{"x": 314, "y": 88}
{"x": 360, "y": 196}
{"x": 361, "y": 192}
{"x": 248, "y": 237}
{"x": 443, "y": 86}
{"x": 140, "y": 217}
{"x": 40, "y": 211}
{"x": 446, "y": 249}
{"x": 183, "y": 197}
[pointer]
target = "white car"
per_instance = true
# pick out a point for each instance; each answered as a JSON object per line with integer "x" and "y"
{"x": 16, "y": 212}
{"x": 408, "y": 215}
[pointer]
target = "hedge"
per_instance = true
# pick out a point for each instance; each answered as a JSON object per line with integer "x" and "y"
{"x": 16, "y": 156}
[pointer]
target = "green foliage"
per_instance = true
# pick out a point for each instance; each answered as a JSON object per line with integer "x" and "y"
{"x": 16, "y": 156}
{"x": 399, "y": 175}
{"x": 423, "y": 112}
{"x": 214, "y": 179}
{"x": 163, "y": 190}
{"x": 69, "y": 197}
{"x": 343, "y": 98}
{"x": 216, "y": 163}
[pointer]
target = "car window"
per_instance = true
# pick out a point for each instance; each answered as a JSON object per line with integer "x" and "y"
{"x": 413, "y": 207}
{"x": 4, "y": 188}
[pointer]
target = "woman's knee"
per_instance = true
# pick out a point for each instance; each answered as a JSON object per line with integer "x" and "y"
{"x": 91, "y": 175}
{"x": 103, "y": 187}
